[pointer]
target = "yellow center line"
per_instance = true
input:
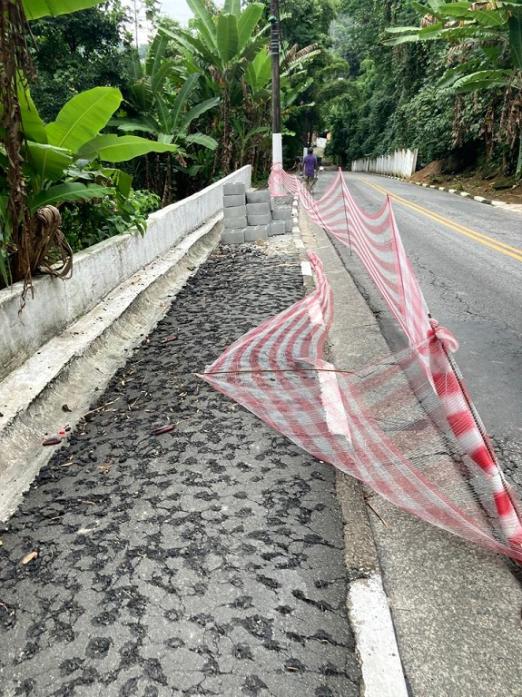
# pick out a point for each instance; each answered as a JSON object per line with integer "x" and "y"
{"x": 486, "y": 240}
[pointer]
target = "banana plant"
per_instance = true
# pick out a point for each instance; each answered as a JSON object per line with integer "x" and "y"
{"x": 17, "y": 162}
{"x": 162, "y": 102}
{"x": 220, "y": 47}
{"x": 35, "y": 9}
{"x": 161, "y": 96}
{"x": 66, "y": 161}
{"x": 258, "y": 78}
{"x": 63, "y": 157}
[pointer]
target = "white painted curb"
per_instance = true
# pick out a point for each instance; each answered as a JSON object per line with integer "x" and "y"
{"x": 375, "y": 639}
{"x": 512, "y": 207}
{"x": 368, "y": 608}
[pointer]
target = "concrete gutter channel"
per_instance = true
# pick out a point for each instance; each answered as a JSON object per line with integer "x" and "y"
{"x": 72, "y": 337}
{"x": 57, "y": 384}
{"x": 432, "y": 616}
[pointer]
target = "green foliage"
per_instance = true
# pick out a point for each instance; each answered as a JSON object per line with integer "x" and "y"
{"x": 486, "y": 39}
{"x": 164, "y": 101}
{"x": 64, "y": 163}
{"x": 82, "y": 118}
{"x": 430, "y": 131}
{"x": 306, "y": 22}
{"x": 229, "y": 51}
{"x": 76, "y": 52}
{"x": 408, "y": 65}
{"x": 63, "y": 159}
{"x": 305, "y": 31}
{"x": 219, "y": 46}
{"x": 34, "y": 9}
{"x": 113, "y": 214}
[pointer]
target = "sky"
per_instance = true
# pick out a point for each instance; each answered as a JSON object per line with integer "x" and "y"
{"x": 177, "y": 9}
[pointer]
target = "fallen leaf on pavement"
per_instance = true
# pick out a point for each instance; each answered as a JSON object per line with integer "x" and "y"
{"x": 30, "y": 556}
{"x": 52, "y": 440}
{"x": 162, "y": 429}
{"x": 105, "y": 467}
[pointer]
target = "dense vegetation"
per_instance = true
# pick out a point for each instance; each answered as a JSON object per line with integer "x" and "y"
{"x": 106, "y": 131}
{"x": 442, "y": 77}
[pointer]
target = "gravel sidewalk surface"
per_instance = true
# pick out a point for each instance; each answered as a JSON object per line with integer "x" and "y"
{"x": 204, "y": 561}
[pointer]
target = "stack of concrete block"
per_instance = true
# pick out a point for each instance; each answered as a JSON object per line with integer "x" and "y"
{"x": 234, "y": 213}
{"x": 252, "y": 215}
{"x": 282, "y": 213}
{"x": 259, "y": 215}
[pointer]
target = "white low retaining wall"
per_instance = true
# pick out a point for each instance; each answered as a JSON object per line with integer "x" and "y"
{"x": 97, "y": 271}
{"x": 401, "y": 163}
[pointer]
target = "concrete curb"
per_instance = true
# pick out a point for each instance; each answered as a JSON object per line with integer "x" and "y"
{"x": 57, "y": 384}
{"x": 367, "y": 603}
{"x": 514, "y": 208}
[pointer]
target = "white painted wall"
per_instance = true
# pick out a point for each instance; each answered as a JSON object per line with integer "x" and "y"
{"x": 401, "y": 163}
{"x": 97, "y": 271}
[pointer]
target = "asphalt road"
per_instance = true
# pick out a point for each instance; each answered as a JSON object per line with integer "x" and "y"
{"x": 468, "y": 259}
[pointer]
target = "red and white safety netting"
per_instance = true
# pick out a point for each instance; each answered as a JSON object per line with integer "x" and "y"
{"x": 404, "y": 424}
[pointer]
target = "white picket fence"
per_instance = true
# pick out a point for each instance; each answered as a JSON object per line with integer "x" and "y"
{"x": 401, "y": 163}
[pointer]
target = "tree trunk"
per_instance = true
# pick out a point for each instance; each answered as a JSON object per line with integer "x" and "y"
{"x": 227, "y": 140}
{"x": 167, "y": 188}
{"x": 15, "y": 65}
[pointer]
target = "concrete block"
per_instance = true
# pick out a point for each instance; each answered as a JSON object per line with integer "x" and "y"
{"x": 236, "y": 212}
{"x": 256, "y": 232}
{"x": 239, "y": 222}
{"x": 264, "y": 219}
{"x": 262, "y": 196}
{"x": 233, "y": 201}
{"x": 235, "y": 236}
{"x": 289, "y": 225}
{"x": 278, "y": 201}
{"x": 282, "y": 213}
{"x": 258, "y": 209}
{"x": 234, "y": 189}
{"x": 278, "y": 227}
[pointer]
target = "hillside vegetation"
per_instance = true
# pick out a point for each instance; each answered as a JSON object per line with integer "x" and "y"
{"x": 445, "y": 78}
{"x": 97, "y": 131}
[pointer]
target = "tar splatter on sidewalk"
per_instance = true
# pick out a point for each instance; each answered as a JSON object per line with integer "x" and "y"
{"x": 205, "y": 561}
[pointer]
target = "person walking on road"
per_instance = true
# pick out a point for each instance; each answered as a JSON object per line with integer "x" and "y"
{"x": 310, "y": 167}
